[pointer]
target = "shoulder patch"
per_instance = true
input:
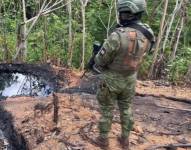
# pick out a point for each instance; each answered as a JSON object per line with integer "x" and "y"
{"x": 121, "y": 29}
{"x": 103, "y": 50}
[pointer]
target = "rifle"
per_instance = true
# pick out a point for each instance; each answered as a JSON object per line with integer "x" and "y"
{"x": 90, "y": 65}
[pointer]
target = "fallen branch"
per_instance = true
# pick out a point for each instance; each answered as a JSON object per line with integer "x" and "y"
{"x": 169, "y": 146}
{"x": 73, "y": 90}
{"x": 177, "y": 99}
{"x": 84, "y": 133}
{"x": 165, "y": 133}
{"x": 70, "y": 145}
{"x": 172, "y": 108}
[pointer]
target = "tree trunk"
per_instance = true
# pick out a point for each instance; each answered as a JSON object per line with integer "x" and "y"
{"x": 4, "y": 44}
{"x": 174, "y": 33}
{"x": 173, "y": 55}
{"x": 45, "y": 50}
{"x": 21, "y": 48}
{"x": 21, "y": 44}
{"x": 5, "y": 49}
{"x": 84, "y": 36}
{"x": 109, "y": 18}
{"x": 159, "y": 39}
{"x": 116, "y": 12}
{"x": 24, "y": 48}
{"x": 70, "y": 48}
{"x": 177, "y": 7}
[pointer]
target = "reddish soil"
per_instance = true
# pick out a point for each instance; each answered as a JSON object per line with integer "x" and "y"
{"x": 157, "y": 120}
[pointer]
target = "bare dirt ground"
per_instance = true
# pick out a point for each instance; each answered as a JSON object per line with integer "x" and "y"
{"x": 74, "y": 127}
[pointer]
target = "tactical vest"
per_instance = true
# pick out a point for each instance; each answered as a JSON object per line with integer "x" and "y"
{"x": 133, "y": 46}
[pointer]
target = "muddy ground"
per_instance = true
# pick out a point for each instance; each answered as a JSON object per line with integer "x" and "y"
{"x": 69, "y": 121}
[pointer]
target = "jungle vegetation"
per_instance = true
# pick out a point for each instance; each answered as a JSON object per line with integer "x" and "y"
{"x": 61, "y": 32}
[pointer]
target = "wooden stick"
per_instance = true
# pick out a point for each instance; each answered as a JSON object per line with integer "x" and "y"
{"x": 169, "y": 146}
{"x": 178, "y": 99}
{"x": 55, "y": 104}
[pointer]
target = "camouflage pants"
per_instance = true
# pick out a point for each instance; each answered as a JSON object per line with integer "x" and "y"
{"x": 120, "y": 90}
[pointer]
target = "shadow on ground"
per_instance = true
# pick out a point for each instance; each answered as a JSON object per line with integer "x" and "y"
{"x": 9, "y": 137}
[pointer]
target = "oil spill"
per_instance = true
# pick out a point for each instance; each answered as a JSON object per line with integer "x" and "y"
{"x": 17, "y": 84}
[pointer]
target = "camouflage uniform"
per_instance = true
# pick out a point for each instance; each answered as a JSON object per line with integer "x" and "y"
{"x": 120, "y": 58}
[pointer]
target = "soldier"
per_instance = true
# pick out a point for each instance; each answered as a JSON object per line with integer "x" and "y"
{"x": 119, "y": 59}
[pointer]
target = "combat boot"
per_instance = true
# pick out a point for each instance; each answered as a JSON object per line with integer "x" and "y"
{"x": 124, "y": 141}
{"x": 102, "y": 142}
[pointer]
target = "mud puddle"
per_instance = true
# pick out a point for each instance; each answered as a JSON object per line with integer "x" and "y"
{"x": 17, "y": 84}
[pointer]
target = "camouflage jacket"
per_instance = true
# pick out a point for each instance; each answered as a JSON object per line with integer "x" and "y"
{"x": 123, "y": 51}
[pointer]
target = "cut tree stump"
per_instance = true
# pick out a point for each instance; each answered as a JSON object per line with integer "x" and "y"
{"x": 56, "y": 107}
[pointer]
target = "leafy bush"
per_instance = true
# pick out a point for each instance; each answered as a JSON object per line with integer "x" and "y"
{"x": 145, "y": 67}
{"x": 178, "y": 68}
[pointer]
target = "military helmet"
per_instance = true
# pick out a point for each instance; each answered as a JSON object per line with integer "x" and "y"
{"x": 133, "y": 6}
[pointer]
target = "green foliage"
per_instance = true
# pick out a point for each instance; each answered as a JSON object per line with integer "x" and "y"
{"x": 98, "y": 18}
{"x": 179, "y": 67}
{"x": 78, "y": 49}
{"x": 144, "y": 68}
